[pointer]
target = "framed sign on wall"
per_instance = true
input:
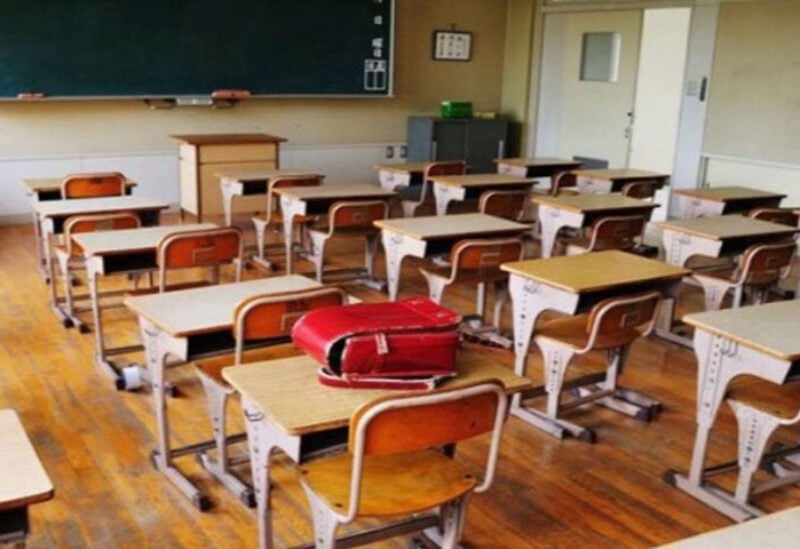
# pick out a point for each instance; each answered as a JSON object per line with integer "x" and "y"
{"x": 450, "y": 45}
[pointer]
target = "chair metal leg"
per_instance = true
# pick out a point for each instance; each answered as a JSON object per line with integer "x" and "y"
{"x": 480, "y": 301}
{"x": 260, "y": 228}
{"x": 500, "y": 297}
{"x": 370, "y": 250}
{"x": 453, "y": 515}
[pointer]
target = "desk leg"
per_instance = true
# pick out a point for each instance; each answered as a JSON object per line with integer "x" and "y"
{"x": 444, "y": 195}
{"x": 262, "y": 439}
{"x": 157, "y": 347}
{"x": 290, "y": 209}
{"x": 396, "y": 247}
{"x": 551, "y": 221}
{"x": 227, "y": 201}
{"x": 41, "y": 249}
{"x": 47, "y": 230}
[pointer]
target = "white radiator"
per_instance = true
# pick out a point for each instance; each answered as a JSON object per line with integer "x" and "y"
{"x": 156, "y": 172}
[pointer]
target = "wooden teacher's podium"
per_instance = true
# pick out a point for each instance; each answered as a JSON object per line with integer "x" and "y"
{"x": 201, "y": 156}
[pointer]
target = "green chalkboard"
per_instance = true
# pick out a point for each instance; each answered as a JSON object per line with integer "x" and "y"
{"x": 167, "y": 48}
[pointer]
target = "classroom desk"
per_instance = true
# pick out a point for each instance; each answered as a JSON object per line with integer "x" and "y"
{"x": 760, "y": 341}
{"x": 250, "y": 183}
{"x": 775, "y": 530}
{"x": 613, "y": 180}
{"x": 580, "y": 211}
{"x": 723, "y": 200}
{"x": 432, "y": 235}
{"x": 306, "y": 201}
{"x": 52, "y": 214}
{"x": 717, "y": 236}
{"x": 23, "y": 480}
{"x": 275, "y": 396}
{"x": 129, "y": 251}
{"x": 535, "y": 167}
{"x": 190, "y": 324}
{"x": 572, "y": 284}
{"x": 49, "y": 188}
{"x": 400, "y": 174}
{"x": 447, "y": 188}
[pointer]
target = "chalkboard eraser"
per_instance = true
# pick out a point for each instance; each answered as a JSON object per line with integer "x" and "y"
{"x": 230, "y": 94}
{"x": 31, "y": 95}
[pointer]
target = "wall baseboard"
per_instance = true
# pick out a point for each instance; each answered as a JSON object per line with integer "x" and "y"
{"x": 156, "y": 172}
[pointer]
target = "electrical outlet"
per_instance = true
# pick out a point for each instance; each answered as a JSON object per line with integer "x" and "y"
{"x": 390, "y": 151}
{"x": 403, "y": 151}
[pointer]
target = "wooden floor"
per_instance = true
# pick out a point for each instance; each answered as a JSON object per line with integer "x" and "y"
{"x": 94, "y": 442}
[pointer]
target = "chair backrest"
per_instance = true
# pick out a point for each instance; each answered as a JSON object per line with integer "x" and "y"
{"x": 203, "y": 248}
{"x": 96, "y": 222}
{"x": 93, "y": 185}
{"x": 776, "y": 215}
{"x": 414, "y": 421}
{"x": 450, "y": 167}
{"x": 289, "y": 181}
{"x": 640, "y": 189}
{"x": 356, "y": 214}
{"x": 505, "y": 204}
{"x": 617, "y": 321}
{"x": 262, "y": 317}
{"x": 561, "y": 181}
{"x": 617, "y": 232}
{"x": 766, "y": 263}
{"x": 485, "y": 254}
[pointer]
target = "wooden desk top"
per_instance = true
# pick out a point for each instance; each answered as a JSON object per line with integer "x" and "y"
{"x": 131, "y": 240}
{"x": 52, "y": 184}
{"x": 727, "y": 226}
{"x": 595, "y": 271}
{"x": 283, "y": 388}
{"x": 728, "y": 194}
{"x": 260, "y": 175}
{"x": 620, "y": 174}
{"x": 210, "y": 308}
{"x": 401, "y": 167}
{"x": 480, "y": 180}
{"x": 539, "y": 162}
{"x": 343, "y": 191}
{"x": 774, "y": 530}
{"x": 772, "y": 328}
{"x": 23, "y": 480}
{"x": 443, "y": 226}
{"x": 594, "y": 202}
{"x": 228, "y": 138}
{"x": 75, "y": 206}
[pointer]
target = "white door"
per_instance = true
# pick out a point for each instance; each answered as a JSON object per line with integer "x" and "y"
{"x": 579, "y": 113}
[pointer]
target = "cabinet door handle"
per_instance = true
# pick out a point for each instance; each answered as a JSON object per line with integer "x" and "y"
{"x": 501, "y": 148}
{"x": 433, "y": 150}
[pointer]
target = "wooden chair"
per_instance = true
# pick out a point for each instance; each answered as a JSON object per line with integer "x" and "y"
{"x": 509, "y": 205}
{"x": 202, "y": 248}
{"x": 69, "y": 255}
{"x": 476, "y": 262}
{"x": 393, "y": 467}
{"x": 258, "y": 319}
{"x": 608, "y": 233}
{"x": 563, "y": 183}
{"x": 410, "y": 202}
{"x": 759, "y": 268}
{"x": 782, "y": 216}
{"x": 643, "y": 190}
{"x": 611, "y": 326}
{"x": 93, "y": 185}
{"x": 273, "y": 217}
{"x": 352, "y": 219}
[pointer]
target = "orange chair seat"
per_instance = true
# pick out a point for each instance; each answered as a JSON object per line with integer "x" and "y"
{"x": 781, "y": 401}
{"x": 212, "y": 367}
{"x": 392, "y": 484}
{"x": 571, "y": 331}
